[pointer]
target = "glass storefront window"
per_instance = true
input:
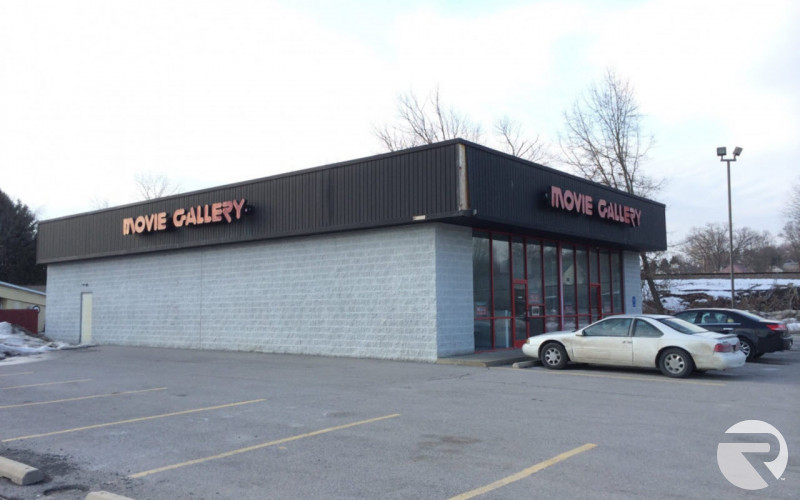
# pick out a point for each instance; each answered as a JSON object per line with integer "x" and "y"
{"x": 502, "y": 333}
{"x": 582, "y": 279}
{"x": 518, "y": 258}
{"x": 526, "y": 286}
{"x": 482, "y": 290}
{"x": 568, "y": 279}
{"x": 536, "y": 326}
{"x": 483, "y": 335}
{"x": 535, "y": 273}
{"x": 605, "y": 281}
{"x": 501, "y": 275}
{"x": 616, "y": 281}
{"x": 593, "y": 267}
{"x": 551, "y": 297}
{"x": 481, "y": 280}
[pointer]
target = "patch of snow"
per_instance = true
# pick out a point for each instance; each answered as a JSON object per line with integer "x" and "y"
{"x": 721, "y": 288}
{"x": 673, "y": 303}
{"x": 14, "y": 341}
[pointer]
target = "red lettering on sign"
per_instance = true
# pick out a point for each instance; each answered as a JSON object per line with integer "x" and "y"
{"x": 572, "y": 201}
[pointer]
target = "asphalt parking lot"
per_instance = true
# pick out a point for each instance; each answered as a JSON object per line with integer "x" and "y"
{"x": 152, "y": 423}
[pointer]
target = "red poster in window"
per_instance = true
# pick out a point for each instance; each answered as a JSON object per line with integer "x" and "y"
{"x": 481, "y": 311}
{"x": 535, "y": 298}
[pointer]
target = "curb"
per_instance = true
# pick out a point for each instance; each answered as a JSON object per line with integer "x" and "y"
{"x": 523, "y": 364}
{"x": 483, "y": 363}
{"x": 19, "y": 473}
{"x": 72, "y": 347}
{"x": 105, "y": 495}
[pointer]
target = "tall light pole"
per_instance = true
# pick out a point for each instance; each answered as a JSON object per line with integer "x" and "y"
{"x": 721, "y": 152}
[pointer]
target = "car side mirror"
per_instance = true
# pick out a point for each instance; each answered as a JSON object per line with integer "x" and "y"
{"x": 579, "y": 334}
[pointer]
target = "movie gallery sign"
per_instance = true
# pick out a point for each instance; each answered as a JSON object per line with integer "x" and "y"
{"x": 571, "y": 201}
{"x": 224, "y": 211}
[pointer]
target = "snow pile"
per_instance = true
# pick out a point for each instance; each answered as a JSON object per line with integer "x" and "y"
{"x": 721, "y": 288}
{"x": 15, "y": 341}
{"x": 678, "y": 294}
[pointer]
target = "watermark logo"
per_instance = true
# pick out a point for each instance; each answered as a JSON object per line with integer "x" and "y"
{"x": 734, "y": 464}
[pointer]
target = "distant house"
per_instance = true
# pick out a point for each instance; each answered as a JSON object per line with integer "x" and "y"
{"x": 791, "y": 266}
{"x": 736, "y": 269}
{"x": 18, "y": 297}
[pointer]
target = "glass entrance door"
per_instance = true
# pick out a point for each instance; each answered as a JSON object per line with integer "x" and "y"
{"x": 520, "y": 312}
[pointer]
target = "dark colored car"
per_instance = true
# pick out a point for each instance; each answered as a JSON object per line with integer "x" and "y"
{"x": 757, "y": 335}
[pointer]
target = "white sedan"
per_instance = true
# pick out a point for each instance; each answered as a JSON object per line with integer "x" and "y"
{"x": 673, "y": 345}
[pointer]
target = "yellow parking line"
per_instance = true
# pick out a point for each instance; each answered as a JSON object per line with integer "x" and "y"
{"x": 626, "y": 377}
{"x": 12, "y": 374}
{"x": 524, "y": 473}
{"x": 259, "y": 446}
{"x": 46, "y": 383}
{"x": 81, "y": 398}
{"x": 131, "y": 420}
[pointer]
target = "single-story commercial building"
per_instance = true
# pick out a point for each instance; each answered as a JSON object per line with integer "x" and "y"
{"x": 418, "y": 254}
{"x": 22, "y": 306}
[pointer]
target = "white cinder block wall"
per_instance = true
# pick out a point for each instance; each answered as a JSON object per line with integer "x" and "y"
{"x": 454, "y": 300}
{"x": 633, "y": 282}
{"x": 398, "y": 293}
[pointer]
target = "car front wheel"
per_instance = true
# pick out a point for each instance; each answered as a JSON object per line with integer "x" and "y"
{"x": 748, "y": 348}
{"x": 554, "y": 356}
{"x": 676, "y": 363}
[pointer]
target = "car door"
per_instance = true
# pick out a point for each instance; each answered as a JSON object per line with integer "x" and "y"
{"x": 606, "y": 342}
{"x": 646, "y": 340}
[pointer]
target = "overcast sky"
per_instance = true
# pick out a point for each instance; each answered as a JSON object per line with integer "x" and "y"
{"x": 214, "y": 92}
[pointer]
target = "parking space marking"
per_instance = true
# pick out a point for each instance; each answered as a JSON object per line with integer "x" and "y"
{"x": 12, "y": 374}
{"x": 524, "y": 473}
{"x": 260, "y": 446}
{"x": 81, "y": 398}
{"x": 628, "y": 377}
{"x": 132, "y": 420}
{"x": 45, "y": 383}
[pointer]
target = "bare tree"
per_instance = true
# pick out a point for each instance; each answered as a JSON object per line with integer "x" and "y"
{"x": 604, "y": 143}
{"x": 708, "y": 248}
{"x": 425, "y": 122}
{"x": 517, "y": 144}
{"x": 792, "y": 211}
{"x": 754, "y": 250}
{"x": 153, "y": 186}
{"x": 791, "y": 229}
{"x": 98, "y": 203}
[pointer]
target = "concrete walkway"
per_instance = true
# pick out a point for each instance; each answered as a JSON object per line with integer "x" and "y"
{"x": 488, "y": 358}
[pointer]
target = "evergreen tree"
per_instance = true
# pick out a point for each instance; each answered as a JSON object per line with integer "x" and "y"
{"x": 18, "y": 232}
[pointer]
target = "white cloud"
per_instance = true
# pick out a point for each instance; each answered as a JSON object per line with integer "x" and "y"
{"x": 212, "y": 92}
{"x": 706, "y": 60}
{"x": 207, "y": 92}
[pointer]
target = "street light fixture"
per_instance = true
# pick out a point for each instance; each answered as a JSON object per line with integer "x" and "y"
{"x": 721, "y": 152}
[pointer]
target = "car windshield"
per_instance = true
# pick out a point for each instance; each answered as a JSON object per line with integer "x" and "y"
{"x": 682, "y": 326}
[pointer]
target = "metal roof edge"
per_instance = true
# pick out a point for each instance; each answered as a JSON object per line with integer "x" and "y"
{"x": 22, "y": 288}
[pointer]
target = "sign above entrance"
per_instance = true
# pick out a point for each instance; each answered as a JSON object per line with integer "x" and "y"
{"x": 224, "y": 211}
{"x": 571, "y": 201}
